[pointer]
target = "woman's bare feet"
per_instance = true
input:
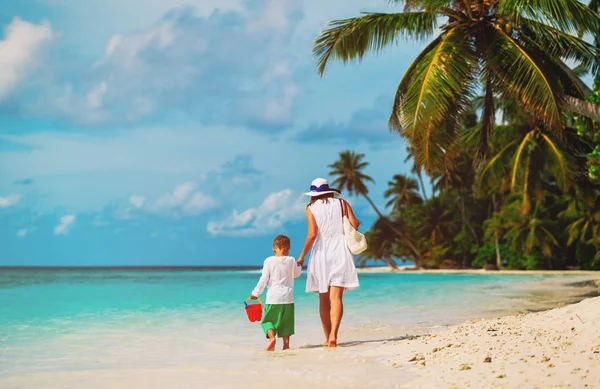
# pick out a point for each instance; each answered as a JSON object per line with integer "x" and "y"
{"x": 332, "y": 342}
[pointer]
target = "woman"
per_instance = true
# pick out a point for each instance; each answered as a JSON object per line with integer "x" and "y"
{"x": 331, "y": 269}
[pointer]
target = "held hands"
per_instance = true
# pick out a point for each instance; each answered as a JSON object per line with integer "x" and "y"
{"x": 300, "y": 261}
{"x": 253, "y": 297}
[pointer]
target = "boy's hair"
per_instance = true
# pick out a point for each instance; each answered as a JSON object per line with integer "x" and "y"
{"x": 282, "y": 242}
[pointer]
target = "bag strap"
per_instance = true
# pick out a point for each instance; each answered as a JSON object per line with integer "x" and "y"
{"x": 342, "y": 207}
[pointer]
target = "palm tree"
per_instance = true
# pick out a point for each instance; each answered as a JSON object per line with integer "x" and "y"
{"x": 348, "y": 174}
{"x": 533, "y": 158}
{"x": 402, "y": 191}
{"x": 514, "y": 49}
{"x": 531, "y": 233}
{"x": 381, "y": 244}
{"x": 417, "y": 170}
{"x": 583, "y": 212}
{"x": 435, "y": 221}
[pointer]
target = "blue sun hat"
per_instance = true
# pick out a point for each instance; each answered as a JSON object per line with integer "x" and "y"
{"x": 320, "y": 186}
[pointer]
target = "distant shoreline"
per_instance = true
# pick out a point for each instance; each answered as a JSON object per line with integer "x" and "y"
{"x": 415, "y": 270}
{"x": 374, "y": 269}
{"x": 131, "y": 268}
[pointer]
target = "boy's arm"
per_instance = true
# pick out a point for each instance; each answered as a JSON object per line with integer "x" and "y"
{"x": 262, "y": 282}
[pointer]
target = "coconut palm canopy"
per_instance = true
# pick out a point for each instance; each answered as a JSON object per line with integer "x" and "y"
{"x": 514, "y": 49}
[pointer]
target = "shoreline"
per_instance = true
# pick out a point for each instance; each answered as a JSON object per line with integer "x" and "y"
{"x": 415, "y": 270}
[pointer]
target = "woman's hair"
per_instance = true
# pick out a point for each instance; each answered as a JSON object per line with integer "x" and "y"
{"x": 322, "y": 197}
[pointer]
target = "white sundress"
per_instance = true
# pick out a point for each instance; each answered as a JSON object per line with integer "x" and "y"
{"x": 330, "y": 262}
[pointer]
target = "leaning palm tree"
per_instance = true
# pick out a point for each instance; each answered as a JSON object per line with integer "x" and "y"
{"x": 514, "y": 49}
{"x": 349, "y": 176}
{"x": 381, "y": 244}
{"x": 403, "y": 192}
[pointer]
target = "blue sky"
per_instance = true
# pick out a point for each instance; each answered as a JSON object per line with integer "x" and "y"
{"x": 146, "y": 132}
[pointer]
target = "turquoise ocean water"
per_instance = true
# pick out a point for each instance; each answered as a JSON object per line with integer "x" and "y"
{"x": 82, "y": 320}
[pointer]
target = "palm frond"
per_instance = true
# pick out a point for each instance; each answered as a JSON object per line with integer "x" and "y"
{"x": 566, "y": 15}
{"x": 495, "y": 163}
{"x": 518, "y": 158}
{"x": 395, "y": 123}
{"x": 351, "y": 39}
{"x": 561, "y": 45}
{"x": 427, "y": 5}
{"x": 580, "y": 70}
{"x": 518, "y": 72}
{"x": 429, "y": 104}
{"x": 562, "y": 178}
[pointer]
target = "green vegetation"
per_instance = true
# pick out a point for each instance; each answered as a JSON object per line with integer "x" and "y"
{"x": 519, "y": 193}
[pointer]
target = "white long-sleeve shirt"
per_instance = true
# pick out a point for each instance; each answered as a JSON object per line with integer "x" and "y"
{"x": 278, "y": 275}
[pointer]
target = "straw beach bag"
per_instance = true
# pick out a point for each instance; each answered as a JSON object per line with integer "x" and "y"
{"x": 356, "y": 242}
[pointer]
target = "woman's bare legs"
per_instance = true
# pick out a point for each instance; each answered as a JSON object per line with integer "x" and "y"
{"x": 325, "y": 312}
{"x": 336, "y": 313}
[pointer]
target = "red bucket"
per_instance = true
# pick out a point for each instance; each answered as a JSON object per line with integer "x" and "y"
{"x": 254, "y": 311}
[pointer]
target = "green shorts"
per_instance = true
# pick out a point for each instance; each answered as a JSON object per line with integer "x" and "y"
{"x": 280, "y": 318}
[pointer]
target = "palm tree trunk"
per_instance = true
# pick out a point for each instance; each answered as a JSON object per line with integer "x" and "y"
{"x": 496, "y": 240}
{"x": 391, "y": 263}
{"x": 463, "y": 215}
{"x": 575, "y": 78}
{"x": 498, "y": 256}
{"x": 402, "y": 236}
{"x": 488, "y": 118}
{"x": 582, "y": 107}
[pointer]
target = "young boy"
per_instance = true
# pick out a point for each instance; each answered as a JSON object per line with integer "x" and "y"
{"x": 278, "y": 276}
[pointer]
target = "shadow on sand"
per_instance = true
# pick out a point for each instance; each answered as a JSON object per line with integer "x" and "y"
{"x": 359, "y": 342}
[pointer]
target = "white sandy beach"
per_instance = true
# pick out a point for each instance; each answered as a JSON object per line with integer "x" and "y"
{"x": 558, "y": 348}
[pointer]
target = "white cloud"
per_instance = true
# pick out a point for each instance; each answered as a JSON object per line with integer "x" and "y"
{"x": 66, "y": 222}
{"x": 137, "y": 201}
{"x": 202, "y": 65}
{"x": 184, "y": 200}
{"x": 176, "y": 198}
{"x": 9, "y": 201}
{"x": 279, "y": 69}
{"x": 276, "y": 209}
{"x": 20, "y": 52}
{"x": 280, "y": 110}
{"x": 22, "y": 233}
{"x": 95, "y": 96}
{"x": 198, "y": 204}
{"x": 274, "y": 18}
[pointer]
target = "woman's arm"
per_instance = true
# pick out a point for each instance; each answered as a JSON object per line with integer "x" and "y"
{"x": 310, "y": 236}
{"x": 353, "y": 220}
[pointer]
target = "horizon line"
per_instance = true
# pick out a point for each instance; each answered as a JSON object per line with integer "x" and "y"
{"x": 128, "y": 267}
